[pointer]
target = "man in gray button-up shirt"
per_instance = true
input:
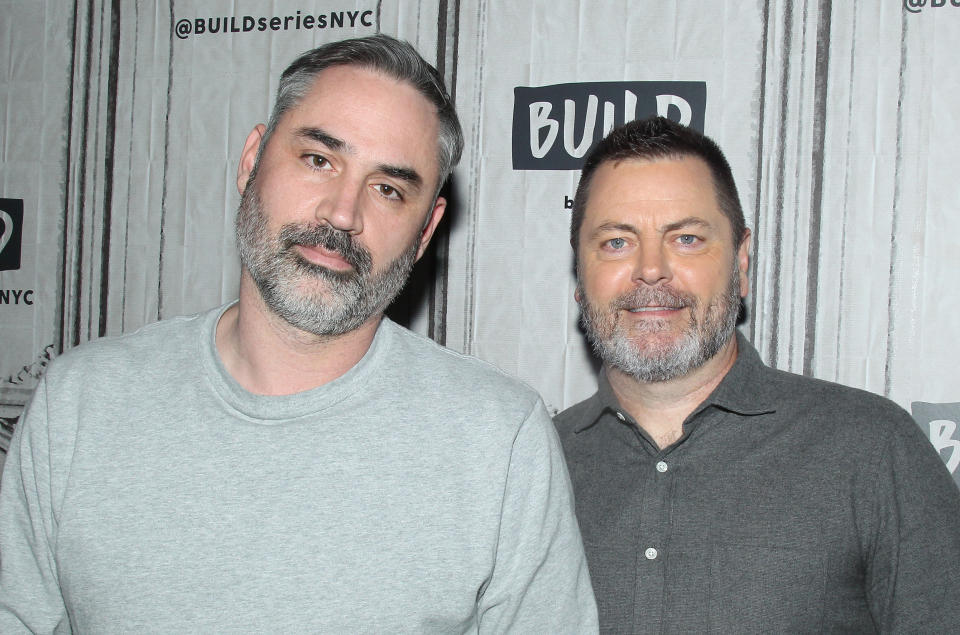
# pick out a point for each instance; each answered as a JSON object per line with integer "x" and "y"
{"x": 714, "y": 493}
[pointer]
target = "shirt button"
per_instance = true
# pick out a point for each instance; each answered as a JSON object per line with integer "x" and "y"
{"x": 650, "y": 553}
{"x": 621, "y": 417}
{"x": 662, "y": 467}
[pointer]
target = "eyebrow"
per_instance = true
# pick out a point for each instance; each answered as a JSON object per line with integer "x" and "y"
{"x": 408, "y": 175}
{"x": 611, "y": 226}
{"x": 689, "y": 221}
{"x": 321, "y": 136}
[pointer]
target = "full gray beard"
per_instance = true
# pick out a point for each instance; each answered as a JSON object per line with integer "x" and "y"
{"x": 637, "y": 352}
{"x": 310, "y": 297}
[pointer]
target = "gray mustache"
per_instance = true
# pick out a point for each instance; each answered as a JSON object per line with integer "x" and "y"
{"x": 657, "y": 296}
{"x": 328, "y": 238}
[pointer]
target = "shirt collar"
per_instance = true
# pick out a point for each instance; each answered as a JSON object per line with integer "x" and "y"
{"x": 742, "y": 390}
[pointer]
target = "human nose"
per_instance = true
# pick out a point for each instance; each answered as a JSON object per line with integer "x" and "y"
{"x": 652, "y": 265}
{"x": 340, "y": 208}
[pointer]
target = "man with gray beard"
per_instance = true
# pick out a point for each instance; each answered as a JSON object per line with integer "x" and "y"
{"x": 295, "y": 462}
{"x": 716, "y": 494}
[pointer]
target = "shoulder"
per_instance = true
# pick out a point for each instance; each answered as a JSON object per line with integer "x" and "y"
{"x": 155, "y": 346}
{"x": 434, "y": 369}
{"x": 850, "y": 420}
{"x": 818, "y": 398}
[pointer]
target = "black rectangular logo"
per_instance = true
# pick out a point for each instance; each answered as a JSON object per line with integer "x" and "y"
{"x": 555, "y": 126}
{"x": 11, "y": 233}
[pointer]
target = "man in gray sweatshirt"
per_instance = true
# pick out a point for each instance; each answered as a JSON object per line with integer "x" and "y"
{"x": 294, "y": 461}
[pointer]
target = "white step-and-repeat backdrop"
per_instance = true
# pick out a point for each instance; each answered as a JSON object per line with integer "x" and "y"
{"x": 121, "y": 123}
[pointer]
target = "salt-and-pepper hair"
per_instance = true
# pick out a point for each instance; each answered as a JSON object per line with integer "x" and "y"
{"x": 386, "y": 55}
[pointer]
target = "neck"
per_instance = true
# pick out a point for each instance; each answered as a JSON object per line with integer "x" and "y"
{"x": 268, "y": 356}
{"x": 660, "y": 408}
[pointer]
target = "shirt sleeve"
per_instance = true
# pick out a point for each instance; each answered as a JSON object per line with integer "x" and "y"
{"x": 913, "y": 538}
{"x": 30, "y": 598}
{"x": 540, "y": 582}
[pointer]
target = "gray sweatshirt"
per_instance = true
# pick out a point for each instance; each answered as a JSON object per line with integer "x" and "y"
{"x": 422, "y": 491}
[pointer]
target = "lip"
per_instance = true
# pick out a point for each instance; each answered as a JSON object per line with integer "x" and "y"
{"x": 324, "y": 257}
{"x": 654, "y": 311}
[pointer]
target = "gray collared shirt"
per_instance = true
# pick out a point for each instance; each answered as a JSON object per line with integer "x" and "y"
{"x": 788, "y": 505}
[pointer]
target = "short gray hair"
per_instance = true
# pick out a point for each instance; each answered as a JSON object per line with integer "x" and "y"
{"x": 389, "y": 56}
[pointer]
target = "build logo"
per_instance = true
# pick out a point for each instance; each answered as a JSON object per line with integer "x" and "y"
{"x": 939, "y": 422}
{"x": 555, "y": 126}
{"x": 11, "y": 233}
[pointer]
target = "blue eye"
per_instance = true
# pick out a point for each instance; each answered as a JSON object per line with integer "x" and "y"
{"x": 617, "y": 243}
{"x": 687, "y": 239}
